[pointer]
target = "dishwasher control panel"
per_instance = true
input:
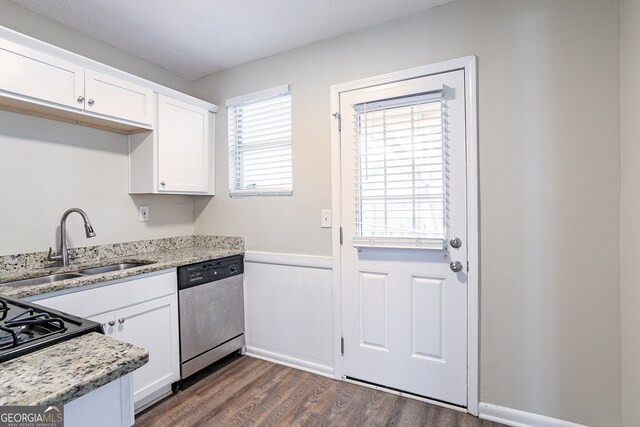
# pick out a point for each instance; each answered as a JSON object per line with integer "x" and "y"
{"x": 209, "y": 271}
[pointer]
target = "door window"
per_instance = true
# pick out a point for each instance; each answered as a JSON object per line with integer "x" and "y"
{"x": 401, "y": 174}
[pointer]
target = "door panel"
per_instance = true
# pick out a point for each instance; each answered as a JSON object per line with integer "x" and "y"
{"x": 428, "y": 320}
{"x": 403, "y": 183}
{"x": 374, "y": 331}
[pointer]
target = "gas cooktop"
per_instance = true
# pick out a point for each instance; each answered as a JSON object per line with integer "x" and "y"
{"x": 27, "y": 327}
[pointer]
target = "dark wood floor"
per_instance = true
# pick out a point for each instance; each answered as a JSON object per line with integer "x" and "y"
{"x": 248, "y": 391}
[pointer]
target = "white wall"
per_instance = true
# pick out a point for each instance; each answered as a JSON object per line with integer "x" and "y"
{"x": 630, "y": 208}
{"x": 549, "y": 182}
{"x": 47, "y": 167}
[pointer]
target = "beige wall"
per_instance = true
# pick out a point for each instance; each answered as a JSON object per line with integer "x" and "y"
{"x": 47, "y": 167}
{"x": 26, "y": 22}
{"x": 549, "y": 182}
{"x": 630, "y": 208}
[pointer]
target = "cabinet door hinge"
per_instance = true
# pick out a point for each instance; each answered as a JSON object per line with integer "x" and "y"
{"x": 340, "y": 235}
{"x": 342, "y": 346}
{"x": 467, "y": 265}
{"x": 338, "y": 117}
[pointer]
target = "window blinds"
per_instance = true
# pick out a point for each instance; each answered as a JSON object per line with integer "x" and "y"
{"x": 401, "y": 174}
{"x": 260, "y": 143}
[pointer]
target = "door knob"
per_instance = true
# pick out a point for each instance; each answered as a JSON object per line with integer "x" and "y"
{"x": 456, "y": 266}
{"x": 455, "y": 243}
{"x": 112, "y": 322}
{"x": 91, "y": 102}
{"x": 80, "y": 99}
{"x": 121, "y": 321}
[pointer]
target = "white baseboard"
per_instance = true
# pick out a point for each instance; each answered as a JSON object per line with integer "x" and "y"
{"x": 516, "y": 418}
{"x": 292, "y": 362}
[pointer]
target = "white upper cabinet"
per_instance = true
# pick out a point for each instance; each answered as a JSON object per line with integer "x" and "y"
{"x": 43, "y": 80}
{"x": 170, "y": 133}
{"x": 28, "y": 73}
{"x": 184, "y": 147}
{"x": 176, "y": 158}
{"x": 110, "y": 96}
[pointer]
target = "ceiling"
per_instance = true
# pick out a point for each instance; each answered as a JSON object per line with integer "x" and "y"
{"x": 195, "y": 38}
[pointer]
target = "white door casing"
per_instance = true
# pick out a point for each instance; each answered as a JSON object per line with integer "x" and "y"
{"x": 380, "y": 291}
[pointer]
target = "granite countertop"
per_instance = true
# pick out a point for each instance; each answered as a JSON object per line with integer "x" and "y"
{"x": 70, "y": 369}
{"x": 159, "y": 254}
{"x": 58, "y": 374}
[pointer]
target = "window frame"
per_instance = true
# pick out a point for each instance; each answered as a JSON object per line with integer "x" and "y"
{"x": 233, "y": 144}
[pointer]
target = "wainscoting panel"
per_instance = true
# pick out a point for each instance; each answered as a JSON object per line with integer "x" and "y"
{"x": 288, "y": 310}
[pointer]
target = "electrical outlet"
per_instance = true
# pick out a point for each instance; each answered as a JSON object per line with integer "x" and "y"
{"x": 143, "y": 213}
{"x": 325, "y": 218}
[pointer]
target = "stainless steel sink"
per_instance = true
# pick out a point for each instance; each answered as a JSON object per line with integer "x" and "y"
{"x": 41, "y": 280}
{"x": 112, "y": 267}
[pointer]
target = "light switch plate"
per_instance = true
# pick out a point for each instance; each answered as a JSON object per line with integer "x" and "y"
{"x": 325, "y": 218}
{"x": 143, "y": 213}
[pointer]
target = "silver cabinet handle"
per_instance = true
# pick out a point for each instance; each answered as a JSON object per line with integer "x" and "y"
{"x": 163, "y": 183}
{"x": 112, "y": 322}
{"x": 91, "y": 102}
{"x": 121, "y": 321}
{"x": 80, "y": 99}
{"x": 456, "y": 266}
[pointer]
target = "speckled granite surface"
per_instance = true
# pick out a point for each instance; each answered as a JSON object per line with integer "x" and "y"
{"x": 66, "y": 371}
{"x": 159, "y": 254}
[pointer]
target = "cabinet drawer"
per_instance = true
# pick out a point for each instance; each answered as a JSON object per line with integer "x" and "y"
{"x": 120, "y": 294}
{"x": 27, "y": 73}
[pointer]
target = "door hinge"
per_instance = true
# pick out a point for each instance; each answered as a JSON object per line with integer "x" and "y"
{"x": 340, "y": 235}
{"x": 467, "y": 265}
{"x": 338, "y": 117}
{"x": 342, "y": 346}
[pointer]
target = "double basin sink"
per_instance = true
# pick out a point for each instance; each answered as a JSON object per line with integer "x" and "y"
{"x": 80, "y": 273}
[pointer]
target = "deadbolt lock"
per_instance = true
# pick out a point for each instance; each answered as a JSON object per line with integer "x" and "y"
{"x": 455, "y": 243}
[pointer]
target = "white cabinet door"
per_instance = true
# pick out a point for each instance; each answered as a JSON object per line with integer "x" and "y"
{"x": 27, "y": 73}
{"x": 152, "y": 325}
{"x": 185, "y": 161}
{"x": 117, "y": 98}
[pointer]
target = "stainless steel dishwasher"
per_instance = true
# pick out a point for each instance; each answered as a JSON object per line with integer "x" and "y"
{"x": 211, "y": 307}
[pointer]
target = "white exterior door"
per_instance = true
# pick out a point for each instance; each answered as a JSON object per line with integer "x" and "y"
{"x": 403, "y": 194}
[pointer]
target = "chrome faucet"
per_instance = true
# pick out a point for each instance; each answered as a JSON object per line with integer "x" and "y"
{"x": 63, "y": 256}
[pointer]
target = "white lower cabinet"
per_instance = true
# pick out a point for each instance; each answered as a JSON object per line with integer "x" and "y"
{"x": 108, "y": 406}
{"x": 141, "y": 311}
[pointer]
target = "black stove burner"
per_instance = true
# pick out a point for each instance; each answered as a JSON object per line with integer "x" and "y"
{"x": 3, "y": 309}
{"x": 26, "y": 327}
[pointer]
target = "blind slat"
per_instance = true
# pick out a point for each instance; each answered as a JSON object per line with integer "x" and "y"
{"x": 400, "y": 166}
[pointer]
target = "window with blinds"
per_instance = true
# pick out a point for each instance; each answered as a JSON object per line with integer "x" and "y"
{"x": 260, "y": 144}
{"x": 401, "y": 174}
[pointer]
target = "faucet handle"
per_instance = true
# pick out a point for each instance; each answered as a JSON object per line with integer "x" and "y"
{"x": 53, "y": 257}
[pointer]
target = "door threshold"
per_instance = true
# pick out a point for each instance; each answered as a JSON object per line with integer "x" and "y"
{"x": 405, "y": 394}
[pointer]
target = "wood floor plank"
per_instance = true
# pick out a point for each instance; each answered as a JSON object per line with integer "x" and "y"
{"x": 246, "y": 391}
